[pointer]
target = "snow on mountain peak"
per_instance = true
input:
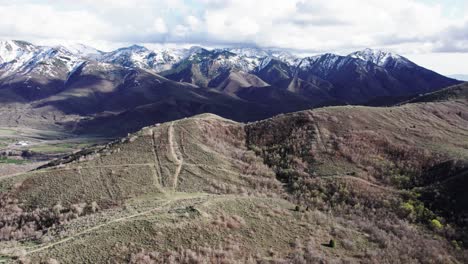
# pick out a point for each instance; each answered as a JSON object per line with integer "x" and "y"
{"x": 286, "y": 57}
{"x": 379, "y": 57}
{"x": 20, "y": 57}
{"x": 250, "y": 52}
{"x": 11, "y": 50}
{"x": 23, "y": 58}
{"x": 325, "y": 61}
{"x": 83, "y": 50}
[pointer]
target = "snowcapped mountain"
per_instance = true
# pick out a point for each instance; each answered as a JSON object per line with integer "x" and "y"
{"x": 323, "y": 65}
{"x": 356, "y": 78}
{"x": 365, "y": 75}
{"x": 14, "y": 55}
{"x": 286, "y": 57}
{"x": 133, "y": 56}
{"x": 282, "y": 55}
{"x": 84, "y": 51}
{"x": 13, "y": 49}
{"x": 23, "y": 58}
{"x": 250, "y": 52}
{"x": 141, "y": 57}
{"x": 201, "y": 66}
{"x": 263, "y": 56}
{"x": 227, "y": 59}
{"x": 382, "y": 58}
{"x": 326, "y": 63}
{"x": 165, "y": 59}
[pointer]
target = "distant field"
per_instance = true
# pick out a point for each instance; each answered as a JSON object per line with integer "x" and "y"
{"x": 45, "y": 141}
{"x": 43, "y": 150}
{"x": 4, "y": 142}
{"x": 4, "y": 131}
{"x": 56, "y": 148}
{"x": 5, "y": 160}
{"x": 66, "y": 145}
{"x": 32, "y": 133}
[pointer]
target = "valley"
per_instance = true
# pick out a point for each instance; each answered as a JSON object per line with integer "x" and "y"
{"x": 23, "y": 149}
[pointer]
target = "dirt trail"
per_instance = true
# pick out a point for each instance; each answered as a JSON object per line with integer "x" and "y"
{"x": 179, "y": 160}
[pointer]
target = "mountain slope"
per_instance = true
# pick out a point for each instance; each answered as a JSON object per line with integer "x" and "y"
{"x": 235, "y": 81}
{"x": 274, "y": 71}
{"x": 202, "y": 66}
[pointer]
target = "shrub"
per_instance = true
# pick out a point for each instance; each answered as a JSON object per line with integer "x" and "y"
{"x": 457, "y": 244}
{"x": 19, "y": 224}
{"x": 407, "y": 210}
{"x": 436, "y": 225}
{"x": 181, "y": 255}
{"x": 332, "y": 243}
{"x": 93, "y": 207}
{"x": 348, "y": 244}
{"x": 231, "y": 222}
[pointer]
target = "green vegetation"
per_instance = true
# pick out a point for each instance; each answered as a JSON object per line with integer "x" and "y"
{"x": 4, "y": 259}
{"x": 407, "y": 209}
{"x": 458, "y": 245}
{"x": 3, "y": 143}
{"x": 415, "y": 210}
{"x": 402, "y": 181}
{"x": 435, "y": 224}
{"x": 59, "y": 148}
{"x": 6, "y": 160}
{"x": 7, "y": 132}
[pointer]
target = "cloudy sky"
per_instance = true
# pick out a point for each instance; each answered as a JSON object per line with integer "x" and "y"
{"x": 433, "y": 33}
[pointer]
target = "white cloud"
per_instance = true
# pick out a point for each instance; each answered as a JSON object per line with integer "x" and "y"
{"x": 194, "y": 23}
{"x": 160, "y": 26}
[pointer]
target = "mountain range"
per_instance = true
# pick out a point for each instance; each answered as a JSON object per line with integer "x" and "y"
{"x": 79, "y": 88}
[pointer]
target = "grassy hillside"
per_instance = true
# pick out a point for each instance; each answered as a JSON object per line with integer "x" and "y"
{"x": 339, "y": 184}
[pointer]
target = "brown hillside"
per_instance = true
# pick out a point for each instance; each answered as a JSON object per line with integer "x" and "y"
{"x": 210, "y": 189}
